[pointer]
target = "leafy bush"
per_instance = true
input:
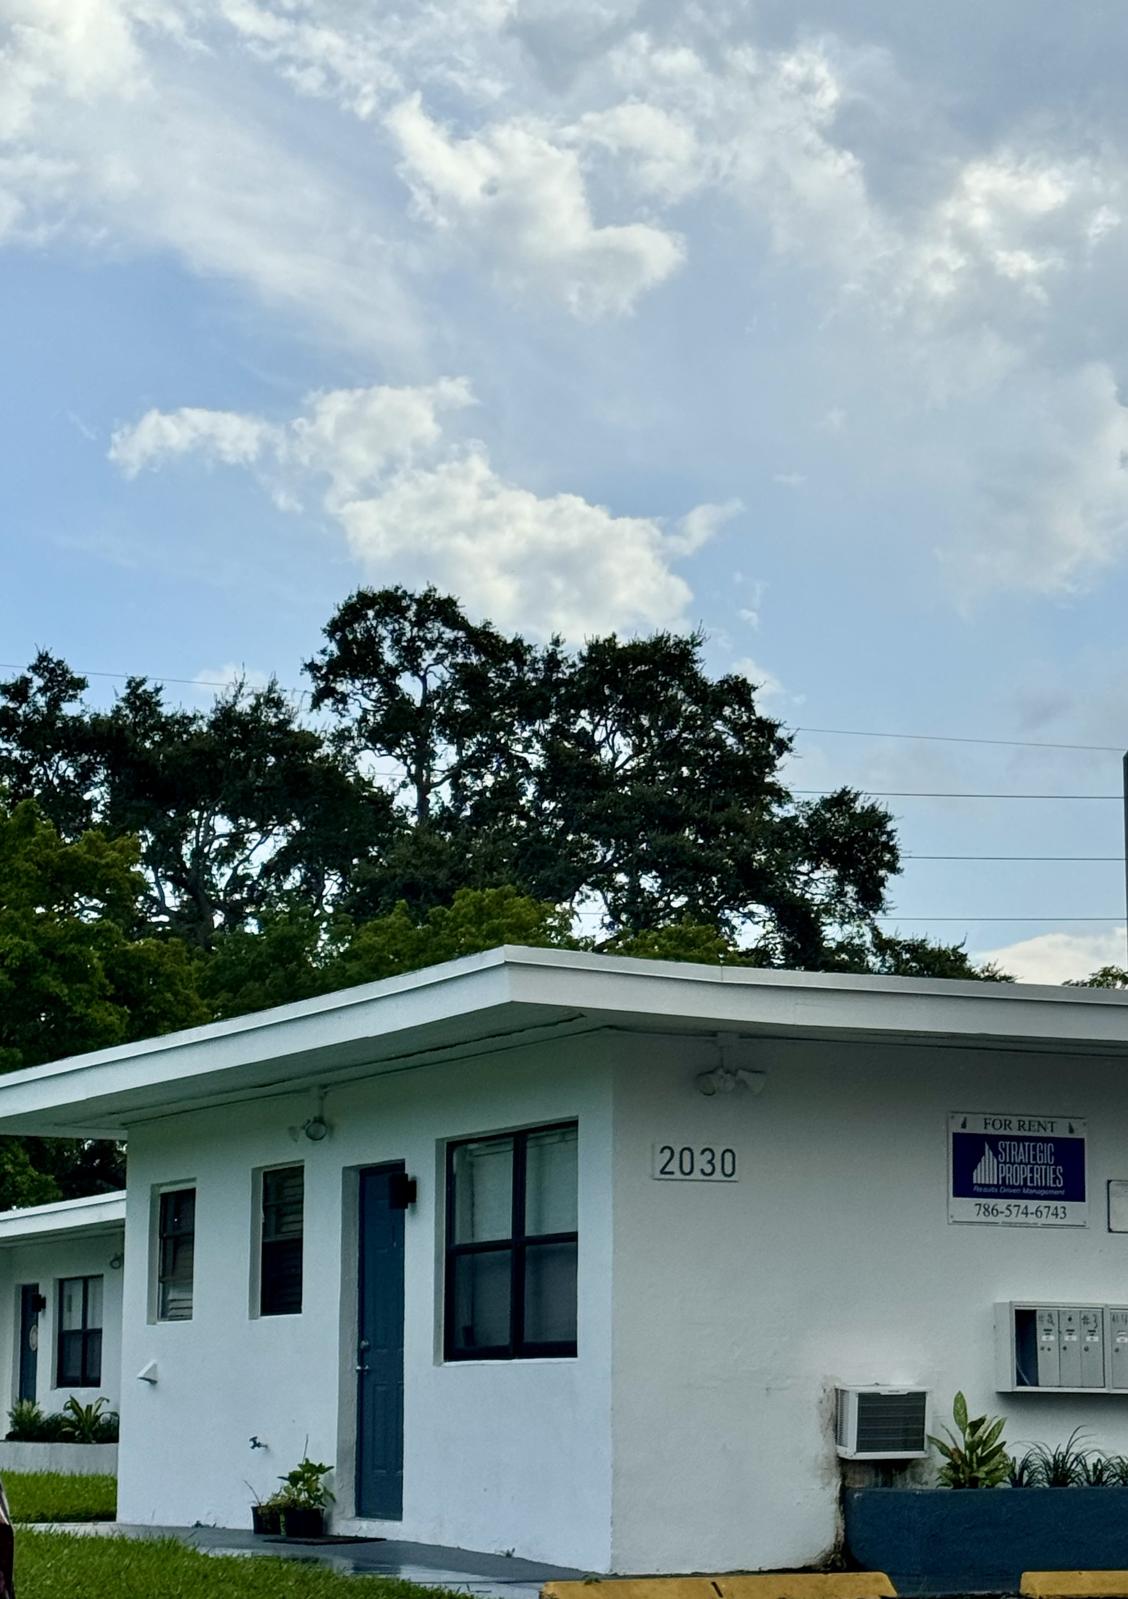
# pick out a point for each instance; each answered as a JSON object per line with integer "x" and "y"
{"x": 27, "y": 1423}
{"x": 978, "y": 1457}
{"x": 95, "y": 1423}
{"x": 75, "y": 1423}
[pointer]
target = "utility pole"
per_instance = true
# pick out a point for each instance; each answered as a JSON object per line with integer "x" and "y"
{"x": 1125, "y": 769}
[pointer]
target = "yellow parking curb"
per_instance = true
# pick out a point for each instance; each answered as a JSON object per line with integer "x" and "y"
{"x": 762, "y": 1585}
{"x": 1074, "y": 1584}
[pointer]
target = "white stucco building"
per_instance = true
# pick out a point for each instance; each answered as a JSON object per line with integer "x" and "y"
{"x": 60, "y": 1301}
{"x": 484, "y": 1236}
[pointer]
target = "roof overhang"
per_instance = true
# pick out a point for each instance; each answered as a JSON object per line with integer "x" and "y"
{"x": 510, "y": 995}
{"x": 66, "y": 1218}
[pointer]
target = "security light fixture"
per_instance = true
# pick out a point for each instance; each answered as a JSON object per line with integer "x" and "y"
{"x": 730, "y": 1080}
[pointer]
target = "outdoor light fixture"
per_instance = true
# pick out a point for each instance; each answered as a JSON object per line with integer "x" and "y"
{"x": 730, "y": 1080}
{"x": 316, "y": 1128}
{"x": 727, "y": 1077}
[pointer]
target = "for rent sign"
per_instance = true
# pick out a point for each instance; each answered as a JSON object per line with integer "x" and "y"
{"x": 1016, "y": 1171}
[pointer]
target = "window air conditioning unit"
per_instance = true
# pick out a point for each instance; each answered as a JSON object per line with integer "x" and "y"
{"x": 882, "y": 1423}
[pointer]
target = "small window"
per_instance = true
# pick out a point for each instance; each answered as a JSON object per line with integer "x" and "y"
{"x": 512, "y": 1245}
{"x": 176, "y": 1254}
{"x": 280, "y": 1266}
{"x": 79, "y": 1363}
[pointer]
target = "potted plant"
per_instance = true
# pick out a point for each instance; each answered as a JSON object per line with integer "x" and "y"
{"x": 266, "y": 1514}
{"x": 303, "y": 1499}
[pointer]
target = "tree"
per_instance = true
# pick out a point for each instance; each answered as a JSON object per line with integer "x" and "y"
{"x": 46, "y": 752}
{"x": 448, "y": 712}
{"x": 295, "y": 953}
{"x": 77, "y": 972}
{"x": 1103, "y": 977}
{"x": 621, "y": 776}
{"x": 237, "y": 810}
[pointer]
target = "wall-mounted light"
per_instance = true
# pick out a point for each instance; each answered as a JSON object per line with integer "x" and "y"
{"x": 730, "y": 1080}
{"x": 315, "y": 1127}
{"x": 117, "y": 1262}
{"x": 728, "y": 1076}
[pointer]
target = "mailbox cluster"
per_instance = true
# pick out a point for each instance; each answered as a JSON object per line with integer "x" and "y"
{"x": 1056, "y": 1348}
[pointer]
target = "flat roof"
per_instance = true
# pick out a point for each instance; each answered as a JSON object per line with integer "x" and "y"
{"x": 512, "y": 994}
{"x": 90, "y": 1215}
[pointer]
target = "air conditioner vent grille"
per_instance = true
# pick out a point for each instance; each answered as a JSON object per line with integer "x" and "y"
{"x": 890, "y": 1423}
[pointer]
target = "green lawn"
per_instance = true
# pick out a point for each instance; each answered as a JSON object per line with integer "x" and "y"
{"x": 53, "y": 1496}
{"x": 56, "y": 1565}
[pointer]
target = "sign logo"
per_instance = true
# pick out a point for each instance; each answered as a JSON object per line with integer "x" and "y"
{"x": 1018, "y": 1171}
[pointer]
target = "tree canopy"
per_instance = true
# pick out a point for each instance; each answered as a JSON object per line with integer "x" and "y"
{"x": 448, "y": 788}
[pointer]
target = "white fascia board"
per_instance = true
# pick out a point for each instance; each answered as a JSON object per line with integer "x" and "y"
{"x": 91, "y": 1095}
{"x": 625, "y": 991}
{"x": 63, "y": 1218}
{"x": 508, "y": 990}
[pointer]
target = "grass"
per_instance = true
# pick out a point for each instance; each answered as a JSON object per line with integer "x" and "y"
{"x": 55, "y": 1496}
{"x": 53, "y": 1565}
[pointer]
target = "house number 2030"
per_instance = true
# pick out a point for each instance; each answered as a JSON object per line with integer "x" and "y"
{"x": 695, "y": 1163}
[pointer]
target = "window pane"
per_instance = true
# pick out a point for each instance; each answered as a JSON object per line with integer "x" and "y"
{"x": 70, "y": 1304}
{"x": 93, "y": 1301}
{"x": 480, "y": 1318}
{"x": 92, "y": 1372}
{"x": 282, "y": 1203}
{"x": 176, "y": 1259}
{"x": 550, "y": 1294}
{"x": 70, "y": 1360}
{"x": 550, "y": 1182}
{"x": 281, "y": 1291}
{"x": 483, "y": 1191}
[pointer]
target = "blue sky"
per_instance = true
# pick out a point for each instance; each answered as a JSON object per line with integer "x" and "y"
{"x": 805, "y": 323}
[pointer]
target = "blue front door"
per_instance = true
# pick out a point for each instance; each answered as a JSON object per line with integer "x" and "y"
{"x": 29, "y": 1341}
{"x": 379, "y": 1361}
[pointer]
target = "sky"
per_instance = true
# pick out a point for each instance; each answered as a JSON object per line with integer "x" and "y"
{"x": 802, "y": 323}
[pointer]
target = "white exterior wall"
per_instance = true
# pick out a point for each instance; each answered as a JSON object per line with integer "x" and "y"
{"x": 46, "y": 1262}
{"x": 738, "y": 1307}
{"x": 497, "y": 1455}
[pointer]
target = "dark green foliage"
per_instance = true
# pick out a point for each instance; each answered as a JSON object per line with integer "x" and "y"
{"x": 76, "y": 1423}
{"x": 975, "y": 1455}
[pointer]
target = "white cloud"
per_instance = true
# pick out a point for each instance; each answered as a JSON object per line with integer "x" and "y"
{"x": 555, "y": 563}
{"x": 767, "y": 684}
{"x": 1059, "y": 957}
{"x": 160, "y": 435}
{"x": 520, "y": 197}
{"x": 1050, "y": 485}
{"x": 416, "y": 507}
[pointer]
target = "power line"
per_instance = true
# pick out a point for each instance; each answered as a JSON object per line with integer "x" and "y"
{"x": 954, "y": 738}
{"x": 875, "y": 793}
{"x": 904, "y": 918}
{"x": 837, "y": 732}
{"x": 1074, "y": 858}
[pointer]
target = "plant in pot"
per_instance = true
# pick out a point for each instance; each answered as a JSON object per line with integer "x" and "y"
{"x": 303, "y": 1499}
{"x": 266, "y": 1514}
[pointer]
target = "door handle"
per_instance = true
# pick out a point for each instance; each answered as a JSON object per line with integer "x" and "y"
{"x": 360, "y": 1367}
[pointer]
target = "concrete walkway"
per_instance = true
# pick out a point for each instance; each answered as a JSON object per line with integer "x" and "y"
{"x": 431, "y": 1565}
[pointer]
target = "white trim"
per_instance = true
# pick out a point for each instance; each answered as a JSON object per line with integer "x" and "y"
{"x": 63, "y": 1216}
{"x": 512, "y": 991}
